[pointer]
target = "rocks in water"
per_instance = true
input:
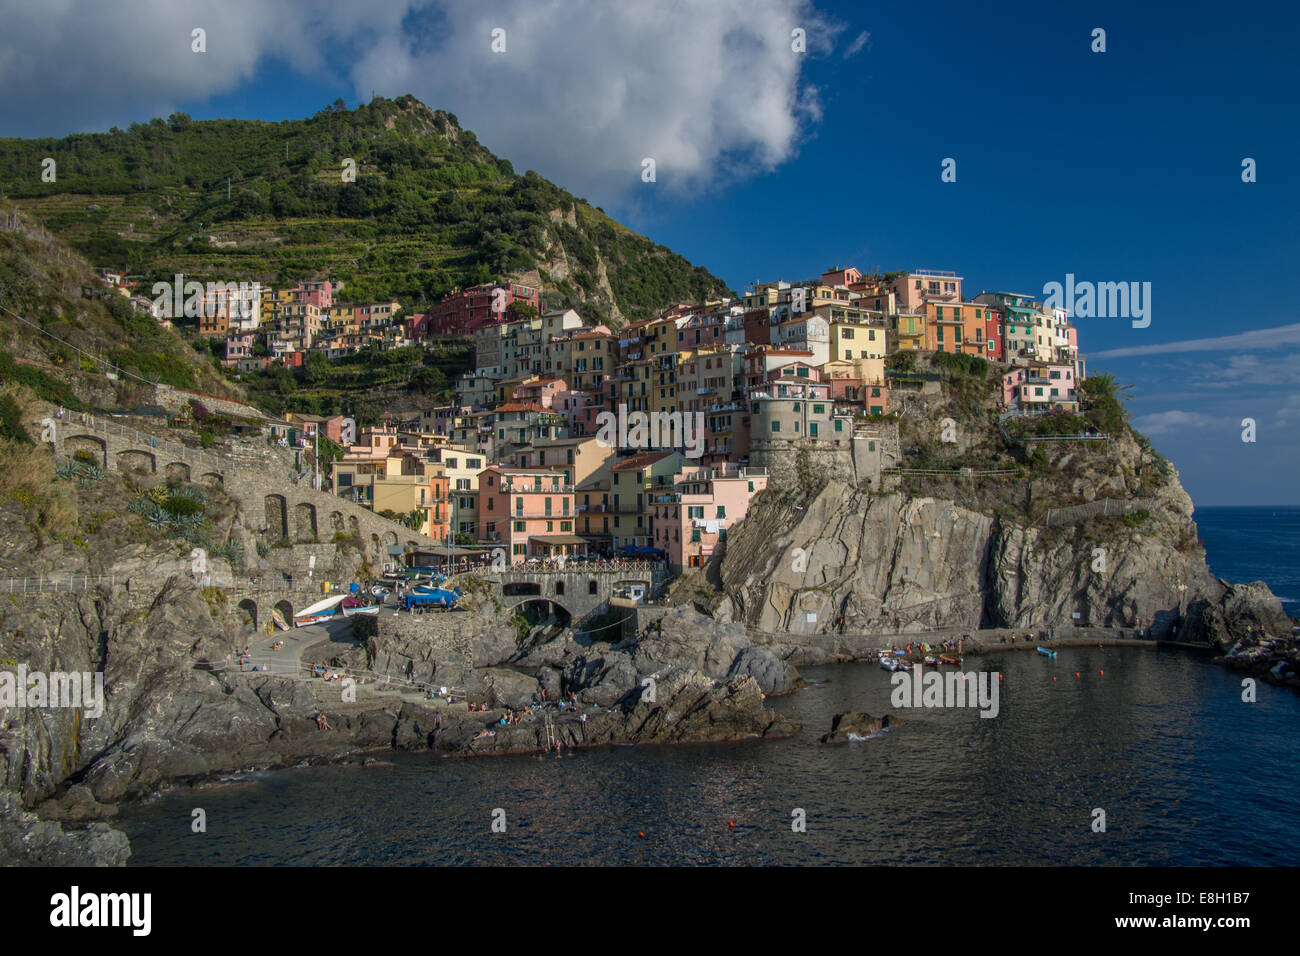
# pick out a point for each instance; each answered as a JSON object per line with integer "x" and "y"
{"x": 27, "y": 840}
{"x": 856, "y": 725}
{"x": 686, "y": 638}
{"x": 685, "y": 706}
{"x": 1245, "y": 611}
{"x": 76, "y": 805}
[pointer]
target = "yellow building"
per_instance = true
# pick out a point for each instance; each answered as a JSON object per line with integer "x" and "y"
{"x": 906, "y": 331}
{"x": 851, "y": 341}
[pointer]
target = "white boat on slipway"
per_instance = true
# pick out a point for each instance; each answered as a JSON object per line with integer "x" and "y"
{"x": 320, "y": 611}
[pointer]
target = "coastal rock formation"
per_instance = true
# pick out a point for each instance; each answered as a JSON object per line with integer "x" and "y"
{"x": 26, "y": 840}
{"x": 852, "y": 561}
{"x": 856, "y": 725}
{"x": 685, "y": 706}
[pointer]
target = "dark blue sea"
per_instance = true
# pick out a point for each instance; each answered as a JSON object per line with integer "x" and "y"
{"x": 1255, "y": 544}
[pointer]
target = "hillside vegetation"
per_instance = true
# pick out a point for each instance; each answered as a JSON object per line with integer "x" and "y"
{"x": 430, "y": 210}
{"x": 59, "y": 345}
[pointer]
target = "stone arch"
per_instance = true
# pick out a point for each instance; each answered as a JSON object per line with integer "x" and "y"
{"x": 336, "y": 522}
{"x": 545, "y": 607}
{"x": 374, "y": 545}
{"x": 277, "y": 517}
{"x": 283, "y": 614}
{"x": 177, "y": 471}
{"x": 354, "y": 526}
{"x": 304, "y": 521}
{"x": 249, "y": 607}
{"x": 390, "y": 538}
{"x": 212, "y": 479}
{"x": 137, "y": 459}
{"x": 88, "y": 443}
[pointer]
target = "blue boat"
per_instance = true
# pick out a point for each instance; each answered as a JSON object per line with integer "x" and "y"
{"x": 429, "y": 598}
{"x": 1045, "y": 652}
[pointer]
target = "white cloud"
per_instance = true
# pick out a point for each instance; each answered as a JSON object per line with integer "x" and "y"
{"x": 1175, "y": 421}
{"x": 710, "y": 89}
{"x": 1254, "y": 340}
{"x": 857, "y": 45}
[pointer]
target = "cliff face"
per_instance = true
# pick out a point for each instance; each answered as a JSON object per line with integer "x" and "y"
{"x": 851, "y": 561}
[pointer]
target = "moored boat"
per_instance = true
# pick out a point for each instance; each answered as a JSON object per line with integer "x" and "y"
{"x": 320, "y": 611}
{"x": 1045, "y": 652}
{"x": 950, "y": 660}
{"x": 351, "y": 607}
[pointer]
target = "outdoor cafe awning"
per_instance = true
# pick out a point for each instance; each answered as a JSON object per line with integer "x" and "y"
{"x": 559, "y": 539}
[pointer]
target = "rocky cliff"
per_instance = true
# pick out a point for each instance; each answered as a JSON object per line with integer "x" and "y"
{"x": 1097, "y": 534}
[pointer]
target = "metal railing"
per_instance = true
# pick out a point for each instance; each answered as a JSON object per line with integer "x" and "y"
{"x": 569, "y": 566}
{"x": 1093, "y": 509}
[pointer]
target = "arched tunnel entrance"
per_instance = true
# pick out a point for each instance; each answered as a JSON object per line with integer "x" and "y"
{"x": 538, "y": 620}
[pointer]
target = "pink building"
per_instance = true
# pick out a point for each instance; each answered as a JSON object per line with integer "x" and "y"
{"x": 527, "y": 511}
{"x": 1042, "y": 387}
{"x": 581, "y": 409}
{"x": 914, "y": 289}
{"x": 690, "y": 523}
{"x": 319, "y": 294}
{"x": 539, "y": 391}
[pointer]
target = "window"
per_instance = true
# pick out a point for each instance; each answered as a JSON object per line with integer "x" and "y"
{"x": 839, "y": 427}
{"x": 812, "y": 429}
{"x": 776, "y": 425}
{"x": 722, "y": 511}
{"x": 695, "y": 535}
{"x": 519, "y": 525}
{"x": 819, "y": 409}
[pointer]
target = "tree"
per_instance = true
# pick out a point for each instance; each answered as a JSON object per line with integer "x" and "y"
{"x": 11, "y": 421}
{"x": 428, "y": 380}
{"x": 315, "y": 369}
{"x": 521, "y": 310}
{"x": 1105, "y": 410}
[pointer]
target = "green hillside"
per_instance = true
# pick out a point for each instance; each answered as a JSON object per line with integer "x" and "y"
{"x": 430, "y": 210}
{"x": 60, "y": 345}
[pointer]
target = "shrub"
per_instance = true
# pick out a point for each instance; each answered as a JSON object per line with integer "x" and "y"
{"x": 11, "y": 421}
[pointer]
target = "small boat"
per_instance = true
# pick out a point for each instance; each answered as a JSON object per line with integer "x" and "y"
{"x": 931, "y": 661}
{"x": 320, "y": 611}
{"x": 351, "y": 606}
{"x": 1045, "y": 652}
{"x": 893, "y": 664}
{"x": 950, "y": 660}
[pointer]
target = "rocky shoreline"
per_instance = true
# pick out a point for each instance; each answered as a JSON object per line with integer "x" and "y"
{"x": 176, "y": 716}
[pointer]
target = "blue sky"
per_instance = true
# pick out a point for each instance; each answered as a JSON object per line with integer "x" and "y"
{"x": 1115, "y": 166}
